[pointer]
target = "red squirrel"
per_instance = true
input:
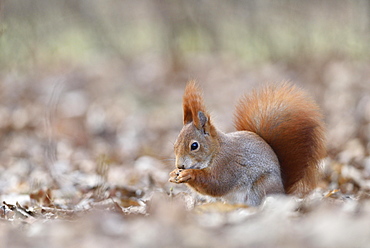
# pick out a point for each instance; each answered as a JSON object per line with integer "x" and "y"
{"x": 276, "y": 149}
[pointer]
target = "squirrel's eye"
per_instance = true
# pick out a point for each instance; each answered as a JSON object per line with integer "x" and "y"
{"x": 194, "y": 146}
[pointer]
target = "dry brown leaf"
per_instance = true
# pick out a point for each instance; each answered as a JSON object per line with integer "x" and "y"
{"x": 43, "y": 197}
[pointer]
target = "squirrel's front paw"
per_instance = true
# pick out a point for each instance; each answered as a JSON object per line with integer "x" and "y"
{"x": 180, "y": 176}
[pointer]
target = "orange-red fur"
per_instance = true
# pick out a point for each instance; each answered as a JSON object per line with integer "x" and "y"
{"x": 291, "y": 123}
{"x": 192, "y": 103}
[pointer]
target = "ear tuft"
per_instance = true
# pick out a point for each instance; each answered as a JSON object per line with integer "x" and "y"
{"x": 192, "y": 102}
{"x": 194, "y": 110}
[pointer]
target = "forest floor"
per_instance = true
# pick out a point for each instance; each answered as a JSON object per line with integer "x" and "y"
{"x": 86, "y": 152}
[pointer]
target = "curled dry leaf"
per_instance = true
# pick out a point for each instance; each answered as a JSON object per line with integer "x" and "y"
{"x": 42, "y": 197}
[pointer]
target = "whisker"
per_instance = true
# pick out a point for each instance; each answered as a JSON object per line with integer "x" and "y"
{"x": 172, "y": 142}
{"x": 168, "y": 159}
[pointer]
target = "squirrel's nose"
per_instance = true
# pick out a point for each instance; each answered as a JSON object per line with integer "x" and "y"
{"x": 180, "y": 163}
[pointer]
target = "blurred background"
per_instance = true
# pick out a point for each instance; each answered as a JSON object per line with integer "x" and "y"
{"x": 90, "y": 106}
{"x": 86, "y": 83}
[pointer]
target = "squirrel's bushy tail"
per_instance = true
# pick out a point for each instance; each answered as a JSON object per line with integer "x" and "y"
{"x": 291, "y": 123}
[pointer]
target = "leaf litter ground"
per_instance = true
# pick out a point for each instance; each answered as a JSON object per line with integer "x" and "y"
{"x": 86, "y": 153}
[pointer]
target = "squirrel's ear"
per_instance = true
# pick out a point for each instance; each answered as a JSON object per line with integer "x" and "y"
{"x": 203, "y": 122}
